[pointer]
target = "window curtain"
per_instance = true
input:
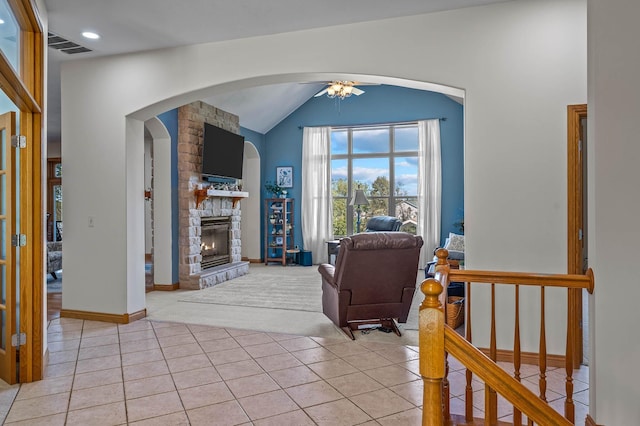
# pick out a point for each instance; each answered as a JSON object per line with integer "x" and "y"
{"x": 316, "y": 209}
{"x": 429, "y": 187}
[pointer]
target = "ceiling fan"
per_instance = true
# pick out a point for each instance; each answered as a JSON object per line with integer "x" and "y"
{"x": 340, "y": 89}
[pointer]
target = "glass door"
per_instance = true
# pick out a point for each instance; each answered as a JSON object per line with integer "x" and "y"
{"x": 8, "y": 270}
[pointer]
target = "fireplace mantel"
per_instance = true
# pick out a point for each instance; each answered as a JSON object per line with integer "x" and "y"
{"x": 202, "y": 194}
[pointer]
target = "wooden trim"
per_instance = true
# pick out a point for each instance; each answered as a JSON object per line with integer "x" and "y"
{"x": 246, "y": 259}
{"x": 31, "y": 200}
{"x": 590, "y": 422}
{"x": 14, "y": 88}
{"x": 44, "y": 361}
{"x": 575, "y": 192}
{"x": 505, "y": 355}
{"x": 135, "y": 316}
{"x": 104, "y": 317}
{"x": 26, "y": 15}
{"x": 166, "y": 287}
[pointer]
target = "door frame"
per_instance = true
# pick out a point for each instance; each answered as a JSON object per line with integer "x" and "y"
{"x": 8, "y": 357}
{"x": 26, "y": 90}
{"x": 575, "y": 225}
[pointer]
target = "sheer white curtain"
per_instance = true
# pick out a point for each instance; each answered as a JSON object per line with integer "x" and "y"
{"x": 429, "y": 187}
{"x": 316, "y": 210}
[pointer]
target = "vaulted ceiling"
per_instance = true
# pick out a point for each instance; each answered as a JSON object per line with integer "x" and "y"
{"x": 131, "y": 26}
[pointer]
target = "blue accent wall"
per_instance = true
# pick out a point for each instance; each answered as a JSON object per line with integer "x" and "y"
{"x": 254, "y": 137}
{"x": 170, "y": 121}
{"x": 379, "y": 104}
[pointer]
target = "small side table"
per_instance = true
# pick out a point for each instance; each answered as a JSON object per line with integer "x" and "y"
{"x": 332, "y": 249}
{"x": 292, "y": 255}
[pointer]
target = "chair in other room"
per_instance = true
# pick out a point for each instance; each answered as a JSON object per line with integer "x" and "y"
{"x": 383, "y": 223}
{"x": 54, "y": 258}
{"x": 373, "y": 280}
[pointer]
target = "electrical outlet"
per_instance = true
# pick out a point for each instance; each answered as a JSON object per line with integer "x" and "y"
{"x": 92, "y": 221}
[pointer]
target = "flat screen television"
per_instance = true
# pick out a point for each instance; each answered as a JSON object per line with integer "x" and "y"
{"x": 222, "y": 153}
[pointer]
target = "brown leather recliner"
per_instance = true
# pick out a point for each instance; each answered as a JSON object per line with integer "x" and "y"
{"x": 374, "y": 279}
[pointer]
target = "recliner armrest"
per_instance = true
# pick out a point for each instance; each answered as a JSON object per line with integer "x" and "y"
{"x": 326, "y": 271}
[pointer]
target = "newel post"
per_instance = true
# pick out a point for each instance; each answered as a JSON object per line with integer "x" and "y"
{"x": 432, "y": 359}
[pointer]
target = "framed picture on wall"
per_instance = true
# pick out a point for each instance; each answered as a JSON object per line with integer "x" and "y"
{"x": 284, "y": 177}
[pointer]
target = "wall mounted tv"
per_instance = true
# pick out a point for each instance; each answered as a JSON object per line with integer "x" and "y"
{"x": 222, "y": 153}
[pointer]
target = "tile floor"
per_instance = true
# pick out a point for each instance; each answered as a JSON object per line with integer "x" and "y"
{"x": 161, "y": 373}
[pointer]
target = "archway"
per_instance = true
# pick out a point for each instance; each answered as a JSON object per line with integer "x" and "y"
{"x": 250, "y": 218}
{"x": 134, "y": 155}
{"x": 160, "y": 203}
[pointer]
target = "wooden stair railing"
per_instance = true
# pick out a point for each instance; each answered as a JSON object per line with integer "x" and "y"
{"x": 437, "y": 339}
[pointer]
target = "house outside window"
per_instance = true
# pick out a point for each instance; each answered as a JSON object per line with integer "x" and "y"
{"x": 382, "y": 161}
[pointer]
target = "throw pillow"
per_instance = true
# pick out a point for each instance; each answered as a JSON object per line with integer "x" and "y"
{"x": 455, "y": 243}
{"x": 456, "y": 255}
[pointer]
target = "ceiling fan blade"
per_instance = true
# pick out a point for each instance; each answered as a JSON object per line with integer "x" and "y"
{"x": 357, "y": 91}
{"x": 320, "y": 93}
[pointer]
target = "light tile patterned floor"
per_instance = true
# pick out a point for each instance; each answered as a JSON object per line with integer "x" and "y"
{"x": 154, "y": 373}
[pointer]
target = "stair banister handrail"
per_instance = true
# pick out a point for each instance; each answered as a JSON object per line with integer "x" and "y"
{"x": 443, "y": 275}
{"x": 433, "y": 331}
{"x": 496, "y": 378}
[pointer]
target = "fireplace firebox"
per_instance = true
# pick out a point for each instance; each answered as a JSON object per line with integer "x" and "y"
{"x": 215, "y": 239}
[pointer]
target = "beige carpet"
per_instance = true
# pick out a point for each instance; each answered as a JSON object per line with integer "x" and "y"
{"x": 293, "y": 288}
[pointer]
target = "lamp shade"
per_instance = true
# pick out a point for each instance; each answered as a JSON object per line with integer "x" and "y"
{"x": 359, "y": 199}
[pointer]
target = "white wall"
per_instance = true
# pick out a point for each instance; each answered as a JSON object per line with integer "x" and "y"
{"x": 250, "y": 219}
{"x": 614, "y": 208}
{"x": 148, "y": 218}
{"x": 519, "y": 63}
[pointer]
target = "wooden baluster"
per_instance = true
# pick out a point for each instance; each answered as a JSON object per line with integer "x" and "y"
{"x": 441, "y": 270}
{"x": 446, "y": 391}
{"x": 542, "y": 360}
{"x": 517, "y": 415}
{"x": 490, "y": 396}
{"x": 468, "y": 391}
{"x": 431, "y": 338}
{"x": 569, "y": 407}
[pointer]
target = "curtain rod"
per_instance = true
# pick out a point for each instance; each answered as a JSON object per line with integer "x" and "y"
{"x": 396, "y": 123}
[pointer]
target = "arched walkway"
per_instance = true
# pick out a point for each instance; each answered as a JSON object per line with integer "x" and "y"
{"x": 251, "y": 173}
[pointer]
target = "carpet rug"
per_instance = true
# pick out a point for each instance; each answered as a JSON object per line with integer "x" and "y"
{"x": 296, "y": 288}
{"x": 54, "y": 285}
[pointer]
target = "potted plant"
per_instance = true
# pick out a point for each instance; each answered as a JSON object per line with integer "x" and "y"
{"x": 273, "y": 188}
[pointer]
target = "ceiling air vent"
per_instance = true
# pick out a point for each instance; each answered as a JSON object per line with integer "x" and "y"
{"x": 64, "y": 45}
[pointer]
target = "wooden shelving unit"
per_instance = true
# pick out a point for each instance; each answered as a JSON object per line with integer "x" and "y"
{"x": 279, "y": 229}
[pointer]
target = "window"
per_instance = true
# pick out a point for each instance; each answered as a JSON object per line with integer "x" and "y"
{"x": 382, "y": 161}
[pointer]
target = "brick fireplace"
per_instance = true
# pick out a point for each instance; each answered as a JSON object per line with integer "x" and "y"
{"x": 212, "y": 211}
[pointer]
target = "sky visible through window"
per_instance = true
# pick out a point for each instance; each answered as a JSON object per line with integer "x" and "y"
{"x": 376, "y": 141}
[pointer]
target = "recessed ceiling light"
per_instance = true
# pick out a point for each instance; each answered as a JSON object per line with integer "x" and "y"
{"x": 1, "y": 21}
{"x": 89, "y": 34}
